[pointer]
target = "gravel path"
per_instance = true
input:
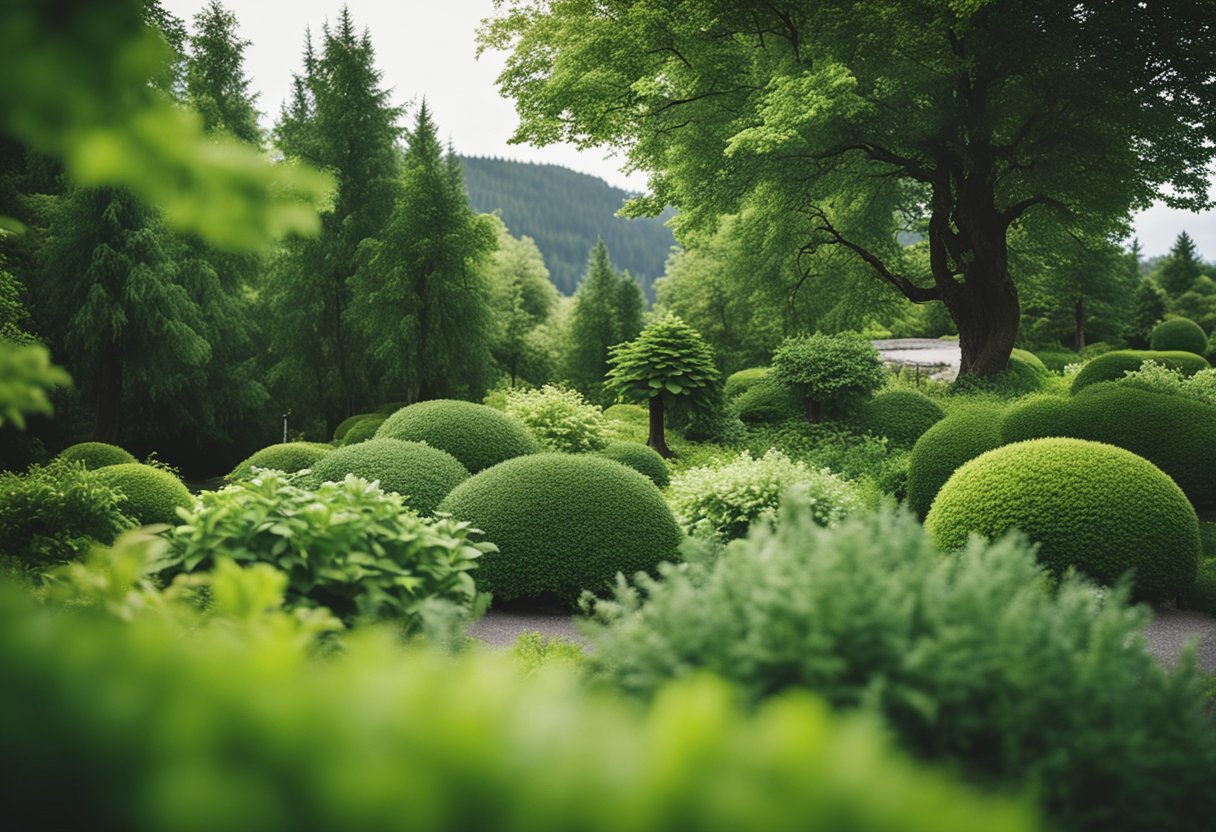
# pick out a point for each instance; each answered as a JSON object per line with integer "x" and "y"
{"x": 503, "y": 628}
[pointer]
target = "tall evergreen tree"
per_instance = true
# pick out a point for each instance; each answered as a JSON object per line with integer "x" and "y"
{"x": 421, "y": 294}
{"x": 216, "y": 84}
{"x": 607, "y": 311}
{"x": 1181, "y": 267}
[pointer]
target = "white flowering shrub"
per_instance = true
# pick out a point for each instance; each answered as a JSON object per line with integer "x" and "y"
{"x": 559, "y": 419}
{"x": 723, "y": 500}
{"x": 1158, "y": 378}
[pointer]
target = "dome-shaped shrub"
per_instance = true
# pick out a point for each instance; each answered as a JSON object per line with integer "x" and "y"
{"x": 1024, "y": 373}
{"x": 1113, "y": 365}
{"x": 961, "y": 436}
{"x": 767, "y": 401}
{"x": 95, "y": 454}
{"x": 641, "y": 458}
{"x": 564, "y": 523}
{"x": 1179, "y": 334}
{"x": 1088, "y": 505}
{"x": 900, "y": 415}
{"x": 350, "y": 421}
{"x": 287, "y": 457}
{"x": 421, "y": 474}
{"x": 150, "y": 495}
{"x": 364, "y": 429}
{"x": 477, "y": 435}
{"x": 740, "y": 382}
{"x": 1175, "y": 433}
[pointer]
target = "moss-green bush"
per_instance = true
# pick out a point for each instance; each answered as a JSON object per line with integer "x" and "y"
{"x": 900, "y": 415}
{"x": 1112, "y": 366}
{"x": 767, "y": 402}
{"x": 1057, "y": 360}
{"x": 349, "y": 422}
{"x": 1090, "y": 506}
{"x": 150, "y": 495}
{"x": 961, "y": 436}
{"x": 1202, "y": 594}
{"x": 1179, "y": 334}
{"x": 422, "y": 475}
{"x": 563, "y": 524}
{"x": 95, "y": 454}
{"x": 288, "y": 457}
{"x": 641, "y": 458}
{"x": 740, "y": 382}
{"x": 364, "y": 429}
{"x": 478, "y": 436}
{"x": 1175, "y": 433}
{"x": 1024, "y": 373}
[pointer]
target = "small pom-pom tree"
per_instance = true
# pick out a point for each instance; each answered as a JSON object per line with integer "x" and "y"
{"x": 827, "y": 369}
{"x": 668, "y": 359}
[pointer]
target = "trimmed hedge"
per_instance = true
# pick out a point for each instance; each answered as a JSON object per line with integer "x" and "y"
{"x": 364, "y": 429}
{"x": 150, "y": 495}
{"x": 766, "y": 402}
{"x": 740, "y": 382}
{"x": 1179, "y": 334}
{"x": 1057, "y": 360}
{"x": 563, "y": 524}
{"x": 1112, "y": 366}
{"x": 349, "y": 422}
{"x": 641, "y": 458}
{"x": 960, "y": 437}
{"x": 422, "y": 475}
{"x": 1176, "y": 434}
{"x": 287, "y": 457}
{"x": 1092, "y": 506}
{"x": 95, "y": 454}
{"x": 477, "y": 435}
{"x": 900, "y": 415}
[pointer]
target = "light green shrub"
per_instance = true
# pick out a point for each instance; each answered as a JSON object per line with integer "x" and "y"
{"x": 767, "y": 401}
{"x": 853, "y": 455}
{"x": 961, "y": 436}
{"x": 287, "y": 457}
{"x": 477, "y": 435}
{"x": 1089, "y": 506}
{"x": 641, "y": 458}
{"x": 1025, "y": 373}
{"x": 95, "y": 454}
{"x": 564, "y": 524}
{"x": 900, "y": 415}
{"x": 969, "y": 659}
{"x": 627, "y": 423}
{"x": 150, "y": 495}
{"x": 740, "y": 382}
{"x": 558, "y": 418}
{"x": 1056, "y": 360}
{"x": 1181, "y": 334}
{"x": 422, "y": 475}
{"x": 828, "y": 370}
{"x": 364, "y": 429}
{"x": 1158, "y": 378}
{"x": 1112, "y": 366}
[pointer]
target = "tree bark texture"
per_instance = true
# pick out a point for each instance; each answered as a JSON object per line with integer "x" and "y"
{"x": 657, "y": 438}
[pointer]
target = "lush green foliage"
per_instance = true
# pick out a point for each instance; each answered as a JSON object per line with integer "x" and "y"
{"x": 422, "y": 475}
{"x": 150, "y": 495}
{"x": 641, "y": 458}
{"x": 56, "y": 512}
{"x": 1089, "y": 506}
{"x": 900, "y": 415}
{"x": 858, "y": 457}
{"x": 95, "y": 454}
{"x": 288, "y": 457}
{"x": 347, "y": 546}
{"x": 27, "y": 378}
{"x": 564, "y": 524}
{"x": 478, "y": 436}
{"x": 349, "y": 422}
{"x": 525, "y": 303}
{"x": 1158, "y": 378}
{"x": 669, "y": 358}
{"x": 1112, "y": 366}
{"x": 1179, "y": 334}
{"x": 961, "y": 436}
{"x": 767, "y": 401}
{"x": 364, "y": 429}
{"x": 828, "y": 369}
{"x": 558, "y": 418}
{"x": 1024, "y": 373}
{"x": 1202, "y": 594}
{"x": 968, "y": 658}
{"x": 722, "y": 501}
{"x": 740, "y": 381}
{"x": 607, "y": 311}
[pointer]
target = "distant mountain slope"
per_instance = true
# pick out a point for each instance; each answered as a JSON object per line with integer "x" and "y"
{"x": 564, "y": 211}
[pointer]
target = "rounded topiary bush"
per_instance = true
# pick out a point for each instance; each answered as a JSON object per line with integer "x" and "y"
{"x": 477, "y": 435}
{"x": 740, "y": 382}
{"x": 641, "y": 458}
{"x": 422, "y": 475}
{"x": 1036, "y": 417}
{"x": 900, "y": 415}
{"x": 564, "y": 523}
{"x": 767, "y": 401}
{"x": 1056, "y": 360}
{"x": 287, "y": 457}
{"x": 349, "y": 422}
{"x": 150, "y": 495}
{"x": 1112, "y": 366}
{"x": 95, "y": 454}
{"x": 364, "y": 429}
{"x": 1089, "y": 505}
{"x": 961, "y": 436}
{"x": 1179, "y": 334}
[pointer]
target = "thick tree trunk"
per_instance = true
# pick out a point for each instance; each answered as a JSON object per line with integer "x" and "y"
{"x": 814, "y": 410}
{"x": 109, "y": 394}
{"x": 1079, "y": 317}
{"x": 658, "y": 439}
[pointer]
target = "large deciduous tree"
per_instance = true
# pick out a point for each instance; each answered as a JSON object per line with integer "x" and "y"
{"x": 968, "y": 113}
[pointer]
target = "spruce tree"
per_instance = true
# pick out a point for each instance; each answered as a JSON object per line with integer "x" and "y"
{"x": 216, "y": 84}
{"x": 607, "y": 311}
{"x": 1181, "y": 267}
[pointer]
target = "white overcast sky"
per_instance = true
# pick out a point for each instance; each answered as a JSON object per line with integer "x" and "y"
{"x": 426, "y": 48}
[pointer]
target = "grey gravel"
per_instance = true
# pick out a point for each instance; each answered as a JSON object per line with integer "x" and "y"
{"x": 936, "y": 359}
{"x": 503, "y": 629}
{"x": 1171, "y": 630}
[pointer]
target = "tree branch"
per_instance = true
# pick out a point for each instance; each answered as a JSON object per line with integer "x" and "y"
{"x": 914, "y": 293}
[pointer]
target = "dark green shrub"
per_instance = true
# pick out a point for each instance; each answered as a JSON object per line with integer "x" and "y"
{"x": 961, "y": 436}
{"x": 349, "y": 422}
{"x": 389, "y": 408}
{"x": 1024, "y": 373}
{"x": 95, "y": 454}
{"x": 1202, "y": 594}
{"x": 1180, "y": 334}
{"x": 157, "y": 731}
{"x": 57, "y": 512}
{"x": 641, "y": 458}
{"x": 477, "y": 435}
{"x": 740, "y": 382}
{"x": 422, "y": 475}
{"x": 1112, "y": 366}
{"x": 768, "y": 402}
{"x": 348, "y": 546}
{"x": 970, "y": 660}
{"x": 364, "y": 429}
{"x": 833, "y": 371}
{"x": 1057, "y": 360}
{"x": 150, "y": 495}
{"x": 900, "y": 415}
{"x": 1089, "y": 506}
{"x": 564, "y": 524}
{"x": 1176, "y": 434}
{"x": 287, "y": 457}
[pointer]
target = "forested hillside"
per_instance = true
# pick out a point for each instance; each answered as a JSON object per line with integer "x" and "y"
{"x": 564, "y": 211}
